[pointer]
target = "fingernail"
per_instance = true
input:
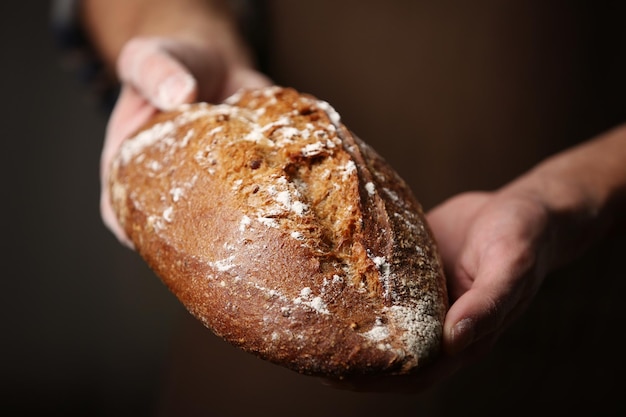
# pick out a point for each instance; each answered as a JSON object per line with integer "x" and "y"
{"x": 462, "y": 335}
{"x": 174, "y": 90}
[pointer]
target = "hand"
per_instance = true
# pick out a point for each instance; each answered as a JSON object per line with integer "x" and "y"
{"x": 494, "y": 249}
{"x": 160, "y": 74}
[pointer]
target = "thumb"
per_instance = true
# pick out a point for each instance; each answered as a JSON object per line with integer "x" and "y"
{"x": 160, "y": 77}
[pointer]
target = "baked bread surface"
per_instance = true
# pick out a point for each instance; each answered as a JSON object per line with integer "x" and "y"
{"x": 284, "y": 234}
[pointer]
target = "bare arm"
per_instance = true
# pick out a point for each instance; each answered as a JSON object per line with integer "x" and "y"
{"x": 584, "y": 188}
{"x": 112, "y": 23}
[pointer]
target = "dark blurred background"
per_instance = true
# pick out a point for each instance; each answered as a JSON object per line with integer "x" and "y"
{"x": 85, "y": 325}
{"x": 455, "y": 96}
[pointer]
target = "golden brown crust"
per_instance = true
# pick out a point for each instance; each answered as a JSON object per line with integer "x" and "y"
{"x": 284, "y": 234}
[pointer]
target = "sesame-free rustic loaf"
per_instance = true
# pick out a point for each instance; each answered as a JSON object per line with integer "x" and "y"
{"x": 284, "y": 234}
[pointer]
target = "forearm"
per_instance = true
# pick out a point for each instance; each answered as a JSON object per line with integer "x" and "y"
{"x": 111, "y": 23}
{"x": 584, "y": 192}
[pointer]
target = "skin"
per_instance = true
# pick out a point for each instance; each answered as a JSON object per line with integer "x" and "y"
{"x": 497, "y": 247}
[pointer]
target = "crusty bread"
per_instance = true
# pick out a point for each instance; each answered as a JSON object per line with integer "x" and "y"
{"x": 284, "y": 234}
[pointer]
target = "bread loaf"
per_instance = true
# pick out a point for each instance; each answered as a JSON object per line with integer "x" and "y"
{"x": 284, "y": 234}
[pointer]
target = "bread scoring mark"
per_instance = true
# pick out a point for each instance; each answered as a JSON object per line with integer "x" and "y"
{"x": 384, "y": 272}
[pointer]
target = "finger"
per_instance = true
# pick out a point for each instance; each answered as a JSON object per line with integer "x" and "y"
{"x": 130, "y": 113}
{"x": 500, "y": 282}
{"x": 159, "y": 76}
{"x": 470, "y": 317}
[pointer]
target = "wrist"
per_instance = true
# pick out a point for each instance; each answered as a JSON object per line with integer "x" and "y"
{"x": 583, "y": 191}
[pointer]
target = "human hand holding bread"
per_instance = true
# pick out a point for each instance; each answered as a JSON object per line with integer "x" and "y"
{"x": 159, "y": 74}
{"x": 496, "y": 247}
{"x": 179, "y": 61}
{"x": 155, "y": 77}
{"x": 380, "y": 273}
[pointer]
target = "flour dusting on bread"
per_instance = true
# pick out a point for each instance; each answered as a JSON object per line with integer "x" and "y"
{"x": 284, "y": 233}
